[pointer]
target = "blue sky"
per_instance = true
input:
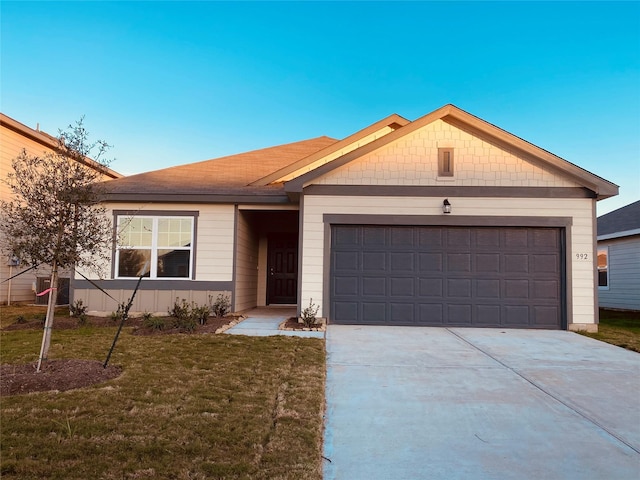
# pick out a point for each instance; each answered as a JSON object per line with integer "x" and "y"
{"x": 169, "y": 83}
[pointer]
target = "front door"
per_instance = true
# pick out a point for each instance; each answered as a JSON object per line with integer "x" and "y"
{"x": 282, "y": 269}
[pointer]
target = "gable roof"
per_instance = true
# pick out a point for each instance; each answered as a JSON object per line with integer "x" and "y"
{"x": 279, "y": 174}
{"x": 622, "y": 222}
{"x": 228, "y": 178}
{"x": 48, "y": 141}
{"x": 481, "y": 129}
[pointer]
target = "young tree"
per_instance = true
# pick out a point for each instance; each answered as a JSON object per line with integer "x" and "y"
{"x": 55, "y": 217}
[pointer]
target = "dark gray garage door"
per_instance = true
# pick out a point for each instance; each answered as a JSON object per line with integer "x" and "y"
{"x": 446, "y": 276}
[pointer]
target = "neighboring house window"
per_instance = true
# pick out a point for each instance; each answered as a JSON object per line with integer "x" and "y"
{"x": 603, "y": 268}
{"x": 445, "y": 162}
{"x": 163, "y": 243}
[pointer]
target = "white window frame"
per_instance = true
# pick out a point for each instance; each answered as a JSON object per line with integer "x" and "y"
{"x": 122, "y": 219}
{"x": 604, "y": 249}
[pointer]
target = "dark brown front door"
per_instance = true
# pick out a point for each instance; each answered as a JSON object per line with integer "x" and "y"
{"x": 282, "y": 269}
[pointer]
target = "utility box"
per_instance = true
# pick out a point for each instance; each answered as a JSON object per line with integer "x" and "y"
{"x": 44, "y": 283}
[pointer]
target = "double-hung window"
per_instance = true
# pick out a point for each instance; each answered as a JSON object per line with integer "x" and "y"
{"x": 154, "y": 246}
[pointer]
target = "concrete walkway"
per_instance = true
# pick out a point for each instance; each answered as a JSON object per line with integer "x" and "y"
{"x": 264, "y": 321}
{"x": 436, "y": 403}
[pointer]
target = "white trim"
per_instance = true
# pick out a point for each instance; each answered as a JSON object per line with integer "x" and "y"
{"x": 625, "y": 233}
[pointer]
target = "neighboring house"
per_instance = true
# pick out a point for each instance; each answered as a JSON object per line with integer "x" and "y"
{"x": 358, "y": 226}
{"x": 14, "y": 138}
{"x": 619, "y": 258}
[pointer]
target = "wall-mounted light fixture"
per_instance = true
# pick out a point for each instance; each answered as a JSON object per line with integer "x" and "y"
{"x": 446, "y": 206}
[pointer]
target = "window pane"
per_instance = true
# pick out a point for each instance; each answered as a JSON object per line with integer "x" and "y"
{"x": 174, "y": 232}
{"x": 173, "y": 263}
{"x": 131, "y": 262}
{"x": 603, "y": 281}
{"x": 136, "y": 232}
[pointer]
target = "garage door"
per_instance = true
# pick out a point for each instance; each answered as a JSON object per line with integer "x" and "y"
{"x": 446, "y": 276}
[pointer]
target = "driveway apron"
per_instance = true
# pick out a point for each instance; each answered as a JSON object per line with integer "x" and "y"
{"x": 447, "y": 403}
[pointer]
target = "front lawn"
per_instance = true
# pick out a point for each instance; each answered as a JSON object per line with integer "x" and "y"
{"x": 185, "y": 407}
{"x": 621, "y": 328}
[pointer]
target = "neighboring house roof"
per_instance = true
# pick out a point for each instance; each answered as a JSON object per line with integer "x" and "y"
{"x": 278, "y": 174}
{"x": 622, "y": 222}
{"x": 48, "y": 141}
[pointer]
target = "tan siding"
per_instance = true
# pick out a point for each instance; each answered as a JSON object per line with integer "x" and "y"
{"x": 246, "y": 265}
{"x": 213, "y": 261}
{"x": 581, "y": 233}
{"x": 413, "y": 160}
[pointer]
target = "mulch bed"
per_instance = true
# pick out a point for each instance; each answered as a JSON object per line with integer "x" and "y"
{"x": 59, "y": 375}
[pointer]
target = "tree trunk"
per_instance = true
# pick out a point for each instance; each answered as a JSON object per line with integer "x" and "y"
{"x": 48, "y": 324}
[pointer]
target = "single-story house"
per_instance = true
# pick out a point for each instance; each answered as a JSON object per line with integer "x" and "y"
{"x": 447, "y": 220}
{"x": 619, "y": 258}
{"x": 14, "y": 138}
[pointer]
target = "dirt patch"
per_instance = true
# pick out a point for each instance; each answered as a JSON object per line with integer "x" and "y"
{"x": 60, "y": 375}
{"x": 68, "y": 323}
{"x": 213, "y": 325}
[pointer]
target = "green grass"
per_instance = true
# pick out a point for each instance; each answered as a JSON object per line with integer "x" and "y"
{"x": 185, "y": 407}
{"x": 621, "y": 328}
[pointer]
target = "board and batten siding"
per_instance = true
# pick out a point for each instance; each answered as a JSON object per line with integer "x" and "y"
{"x": 213, "y": 263}
{"x": 582, "y": 275}
{"x": 624, "y": 274}
{"x": 247, "y": 250}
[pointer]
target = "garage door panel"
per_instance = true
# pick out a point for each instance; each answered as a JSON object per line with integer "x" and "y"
{"x": 546, "y": 290}
{"x": 374, "y": 312}
{"x": 488, "y": 288}
{"x": 402, "y": 237}
{"x": 346, "y": 235}
{"x": 516, "y": 289}
{"x": 345, "y": 286}
{"x": 402, "y": 286}
{"x": 459, "y": 262}
{"x": 447, "y": 276}
{"x": 374, "y": 286}
{"x": 516, "y": 263}
{"x": 346, "y": 261}
{"x": 459, "y": 288}
{"x": 374, "y": 261}
{"x": 487, "y": 263}
{"x": 459, "y": 315}
{"x": 430, "y": 262}
{"x": 346, "y": 312}
{"x": 516, "y": 316}
{"x": 402, "y": 262}
{"x": 402, "y": 313}
{"x": 430, "y": 237}
{"x": 545, "y": 263}
{"x": 487, "y": 315}
{"x": 430, "y": 314}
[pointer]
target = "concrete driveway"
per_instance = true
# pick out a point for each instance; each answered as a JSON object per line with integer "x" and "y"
{"x": 437, "y": 403}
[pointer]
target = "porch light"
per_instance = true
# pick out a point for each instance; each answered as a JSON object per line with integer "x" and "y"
{"x": 446, "y": 206}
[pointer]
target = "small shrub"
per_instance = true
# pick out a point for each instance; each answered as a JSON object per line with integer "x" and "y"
{"x": 77, "y": 309}
{"x": 185, "y": 324}
{"x": 146, "y": 316}
{"x": 221, "y": 306}
{"x": 155, "y": 323}
{"x": 201, "y": 314}
{"x": 118, "y": 314}
{"x": 82, "y": 319}
{"x": 21, "y": 319}
{"x": 179, "y": 309}
{"x": 308, "y": 315}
